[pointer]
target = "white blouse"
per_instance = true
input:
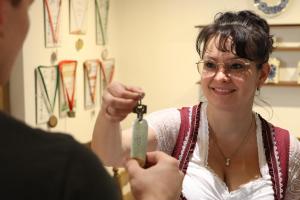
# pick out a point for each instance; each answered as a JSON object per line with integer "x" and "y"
{"x": 200, "y": 182}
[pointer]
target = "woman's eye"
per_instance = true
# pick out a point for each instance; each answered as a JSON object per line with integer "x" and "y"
{"x": 237, "y": 66}
{"x": 210, "y": 65}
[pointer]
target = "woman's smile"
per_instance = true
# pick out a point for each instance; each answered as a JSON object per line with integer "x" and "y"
{"x": 222, "y": 90}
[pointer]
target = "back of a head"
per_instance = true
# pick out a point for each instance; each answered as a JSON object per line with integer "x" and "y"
{"x": 249, "y": 33}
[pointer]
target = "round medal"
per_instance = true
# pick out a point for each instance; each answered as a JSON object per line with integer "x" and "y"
{"x": 52, "y": 122}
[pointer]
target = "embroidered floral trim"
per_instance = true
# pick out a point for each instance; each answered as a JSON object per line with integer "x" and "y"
{"x": 204, "y": 134}
{"x": 190, "y": 137}
{"x": 187, "y": 135}
{"x": 276, "y": 153}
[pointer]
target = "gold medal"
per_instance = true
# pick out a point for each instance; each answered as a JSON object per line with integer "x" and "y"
{"x": 71, "y": 113}
{"x": 79, "y": 44}
{"x": 52, "y": 122}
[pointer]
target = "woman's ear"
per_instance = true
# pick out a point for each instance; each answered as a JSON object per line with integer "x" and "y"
{"x": 263, "y": 74}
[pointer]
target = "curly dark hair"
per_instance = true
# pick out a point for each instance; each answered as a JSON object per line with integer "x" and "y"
{"x": 249, "y": 33}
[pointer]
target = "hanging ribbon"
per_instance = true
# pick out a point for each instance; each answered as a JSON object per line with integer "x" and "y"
{"x": 53, "y": 20}
{"x": 91, "y": 71}
{"x": 102, "y": 8}
{"x": 107, "y": 69}
{"x": 67, "y": 71}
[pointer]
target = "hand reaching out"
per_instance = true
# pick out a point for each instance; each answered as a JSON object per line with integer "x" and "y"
{"x": 161, "y": 180}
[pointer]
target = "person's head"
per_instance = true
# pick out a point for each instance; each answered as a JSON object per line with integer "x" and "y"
{"x": 14, "y": 24}
{"x": 241, "y": 43}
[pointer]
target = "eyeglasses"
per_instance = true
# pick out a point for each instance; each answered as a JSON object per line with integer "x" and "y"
{"x": 234, "y": 67}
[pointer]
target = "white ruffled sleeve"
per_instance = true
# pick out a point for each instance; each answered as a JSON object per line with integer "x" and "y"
{"x": 166, "y": 124}
{"x": 293, "y": 187}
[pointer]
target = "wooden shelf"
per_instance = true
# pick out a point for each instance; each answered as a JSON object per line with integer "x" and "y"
{"x": 286, "y": 48}
{"x": 284, "y": 25}
{"x": 284, "y": 84}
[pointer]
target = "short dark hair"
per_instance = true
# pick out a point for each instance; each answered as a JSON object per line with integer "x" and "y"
{"x": 15, "y": 3}
{"x": 250, "y": 35}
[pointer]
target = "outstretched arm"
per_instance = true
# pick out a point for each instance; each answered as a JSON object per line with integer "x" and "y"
{"x": 109, "y": 142}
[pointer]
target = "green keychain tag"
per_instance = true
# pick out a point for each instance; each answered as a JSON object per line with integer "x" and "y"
{"x": 139, "y": 135}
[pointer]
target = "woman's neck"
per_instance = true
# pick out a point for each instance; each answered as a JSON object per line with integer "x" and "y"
{"x": 229, "y": 124}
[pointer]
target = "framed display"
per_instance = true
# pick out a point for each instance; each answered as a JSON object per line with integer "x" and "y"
{"x": 273, "y": 76}
{"x": 67, "y": 89}
{"x": 78, "y": 16}
{"x": 46, "y": 87}
{"x": 90, "y": 82}
{"x": 52, "y": 9}
{"x": 102, "y": 8}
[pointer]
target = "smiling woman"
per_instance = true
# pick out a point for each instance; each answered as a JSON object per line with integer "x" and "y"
{"x": 226, "y": 150}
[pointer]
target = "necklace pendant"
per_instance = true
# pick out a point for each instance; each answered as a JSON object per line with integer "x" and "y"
{"x": 227, "y": 162}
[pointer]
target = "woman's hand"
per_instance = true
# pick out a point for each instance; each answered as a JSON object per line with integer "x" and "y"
{"x": 119, "y": 100}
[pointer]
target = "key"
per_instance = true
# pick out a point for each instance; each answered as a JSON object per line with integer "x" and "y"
{"x": 139, "y": 135}
{"x": 140, "y": 110}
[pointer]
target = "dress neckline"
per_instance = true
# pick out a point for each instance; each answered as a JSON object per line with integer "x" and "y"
{"x": 203, "y": 133}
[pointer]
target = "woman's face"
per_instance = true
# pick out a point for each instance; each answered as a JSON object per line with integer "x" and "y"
{"x": 229, "y": 82}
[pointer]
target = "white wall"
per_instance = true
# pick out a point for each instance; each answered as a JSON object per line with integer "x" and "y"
{"x": 153, "y": 43}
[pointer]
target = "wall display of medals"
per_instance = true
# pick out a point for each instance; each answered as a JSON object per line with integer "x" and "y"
{"x": 285, "y": 57}
{"x": 102, "y": 8}
{"x": 91, "y": 82}
{"x": 46, "y": 88}
{"x": 67, "y": 89}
